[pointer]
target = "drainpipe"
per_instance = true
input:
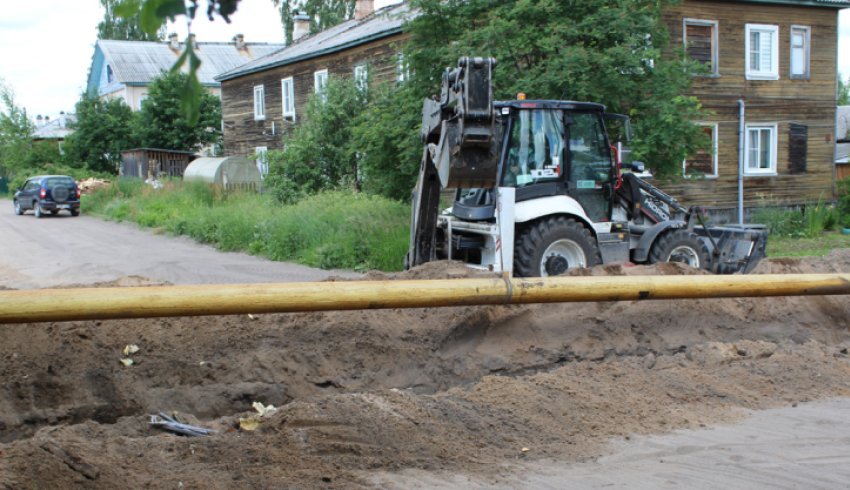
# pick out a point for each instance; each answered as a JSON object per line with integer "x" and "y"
{"x": 741, "y": 136}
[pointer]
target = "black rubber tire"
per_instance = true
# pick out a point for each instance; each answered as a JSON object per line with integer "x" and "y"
{"x": 533, "y": 241}
{"x": 680, "y": 246}
{"x": 74, "y": 212}
{"x": 18, "y": 209}
{"x": 36, "y": 210}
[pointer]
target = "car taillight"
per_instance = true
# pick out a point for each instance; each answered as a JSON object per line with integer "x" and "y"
{"x": 42, "y": 194}
{"x": 78, "y": 192}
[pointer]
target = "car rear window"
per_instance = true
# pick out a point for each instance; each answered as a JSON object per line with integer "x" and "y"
{"x": 54, "y": 181}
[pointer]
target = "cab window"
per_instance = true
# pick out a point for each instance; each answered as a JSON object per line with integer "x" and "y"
{"x": 590, "y": 155}
{"x": 535, "y": 149}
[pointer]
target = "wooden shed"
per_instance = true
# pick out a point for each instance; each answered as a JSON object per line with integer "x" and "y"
{"x": 143, "y": 163}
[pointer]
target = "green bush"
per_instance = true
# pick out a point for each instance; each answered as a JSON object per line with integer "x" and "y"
{"x": 807, "y": 221}
{"x": 339, "y": 229}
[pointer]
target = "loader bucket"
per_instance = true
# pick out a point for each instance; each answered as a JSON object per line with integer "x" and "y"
{"x": 735, "y": 248}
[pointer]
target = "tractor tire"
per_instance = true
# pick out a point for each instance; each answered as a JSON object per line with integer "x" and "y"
{"x": 552, "y": 246}
{"x": 681, "y": 246}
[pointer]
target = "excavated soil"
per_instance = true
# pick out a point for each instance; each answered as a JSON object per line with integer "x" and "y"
{"x": 458, "y": 389}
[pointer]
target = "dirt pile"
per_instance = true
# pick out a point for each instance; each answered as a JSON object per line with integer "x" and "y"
{"x": 454, "y": 388}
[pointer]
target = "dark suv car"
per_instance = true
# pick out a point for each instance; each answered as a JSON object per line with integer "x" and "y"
{"x": 48, "y": 194}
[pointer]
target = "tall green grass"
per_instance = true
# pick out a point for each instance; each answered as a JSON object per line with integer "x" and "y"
{"x": 808, "y": 221}
{"x": 330, "y": 230}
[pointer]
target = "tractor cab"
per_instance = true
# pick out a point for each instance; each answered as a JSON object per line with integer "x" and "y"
{"x": 548, "y": 148}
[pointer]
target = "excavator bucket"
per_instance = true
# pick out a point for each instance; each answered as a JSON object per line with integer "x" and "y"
{"x": 735, "y": 248}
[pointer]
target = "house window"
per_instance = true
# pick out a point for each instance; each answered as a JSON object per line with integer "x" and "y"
{"x": 320, "y": 83}
{"x": 704, "y": 162}
{"x": 800, "y": 39}
{"x": 259, "y": 103}
{"x": 762, "y": 52}
{"x": 361, "y": 77}
{"x": 760, "y": 150}
{"x": 798, "y": 145}
{"x": 402, "y": 68}
{"x": 262, "y": 159}
{"x": 700, "y": 38}
{"x": 110, "y": 76}
{"x": 287, "y": 89}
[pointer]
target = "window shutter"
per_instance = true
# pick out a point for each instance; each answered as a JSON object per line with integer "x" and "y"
{"x": 797, "y": 148}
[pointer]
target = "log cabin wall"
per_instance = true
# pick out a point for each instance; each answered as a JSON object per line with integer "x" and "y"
{"x": 803, "y": 109}
{"x": 243, "y": 134}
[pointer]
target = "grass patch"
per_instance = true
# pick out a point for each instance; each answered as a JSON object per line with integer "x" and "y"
{"x": 330, "y": 230}
{"x": 804, "y": 247}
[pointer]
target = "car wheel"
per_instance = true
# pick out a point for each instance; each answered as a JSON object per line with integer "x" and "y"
{"x": 552, "y": 246}
{"x": 18, "y": 210}
{"x": 75, "y": 212}
{"x": 36, "y": 210}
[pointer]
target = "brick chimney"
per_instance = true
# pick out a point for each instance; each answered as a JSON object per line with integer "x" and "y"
{"x": 63, "y": 121}
{"x": 302, "y": 26}
{"x": 363, "y": 8}
{"x": 239, "y": 40}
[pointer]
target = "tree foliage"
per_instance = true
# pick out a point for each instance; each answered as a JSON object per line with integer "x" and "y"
{"x": 320, "y": 153}
{"x": 15, "y": 133}
{"x": 322, "y": 13}
{"x": 124, "y": 28}
{"x": 843, "y": 91}
{"x": 162, "y": 124}
{"x": 587, "y": 50}
{"x": 103, "y": 129}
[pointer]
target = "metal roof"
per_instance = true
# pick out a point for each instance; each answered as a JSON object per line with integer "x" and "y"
{"x": 139, "y": 62}
{"x": 55, "y": 129}
{"x": 384, "y": 22}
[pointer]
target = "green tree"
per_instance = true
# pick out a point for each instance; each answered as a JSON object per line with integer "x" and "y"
{"x": 162, "y": 124}
{"x": 843, "y": 91}
{"x": 592, "y": 50}
{"x": 320, "y": 154}
{"x": 322, "y": 13}
{"x": 15, "y": 134}
{"x": 124, "y": 28}
{"x": 103, "y": 129}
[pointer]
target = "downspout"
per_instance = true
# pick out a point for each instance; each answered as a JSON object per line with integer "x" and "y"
{"x": 741, "y": 135}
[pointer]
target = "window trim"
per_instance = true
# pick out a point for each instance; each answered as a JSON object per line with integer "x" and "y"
{"x": 287, "y": 91}
{"x": 259, "y": 103}
{"x": 316, "y": 76}
{"x": 773, "y": 74}
{"x": 758, "y": 172}
{"x": 714, "y": 149}
{"x": 361, "y": 76}
{"x": 807, "y": 52}
{"x": 260, "y": 154}
{"x": 715, "y": 41}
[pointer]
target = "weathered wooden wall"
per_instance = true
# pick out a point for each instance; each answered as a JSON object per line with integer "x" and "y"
{"x": 242, "y": 134}
{"x": 785, "y": 101}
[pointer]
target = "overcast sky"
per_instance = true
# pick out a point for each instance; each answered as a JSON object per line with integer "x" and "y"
{"x": 46, "y": 46}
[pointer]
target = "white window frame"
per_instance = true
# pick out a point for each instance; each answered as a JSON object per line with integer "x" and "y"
{"x": 714, "y": 147}
{"x": 402, "y": 68}
{"x": 361, "y": 77}
{"x": 807, "y": 52}
{"x": 320, "y": 83}
{"x": 259, "y": 103}
{"x": 773, "y": 73}
{"x": 262, "y": 160}
{"x": 715, "y": 40}
{"x": 287, "y": 97}
{"x": 774, "y": 130}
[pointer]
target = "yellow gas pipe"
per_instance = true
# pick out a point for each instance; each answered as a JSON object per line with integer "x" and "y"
{"x": 51, "y": 305}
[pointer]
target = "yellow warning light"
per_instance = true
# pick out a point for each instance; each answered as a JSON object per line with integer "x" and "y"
{"x": 520, "y": 96}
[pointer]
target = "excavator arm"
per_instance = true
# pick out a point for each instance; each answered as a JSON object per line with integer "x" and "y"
{"x": 458, "y": 136}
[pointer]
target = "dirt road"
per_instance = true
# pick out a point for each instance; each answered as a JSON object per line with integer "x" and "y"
{"x": 63, "y": 250}
{"x": 536, "y": 396}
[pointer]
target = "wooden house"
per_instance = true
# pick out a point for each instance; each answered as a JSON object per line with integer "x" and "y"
{"x": 263, "y": 99}
{"x": 770, "y": 67}
{"x": 144, "y": 163}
